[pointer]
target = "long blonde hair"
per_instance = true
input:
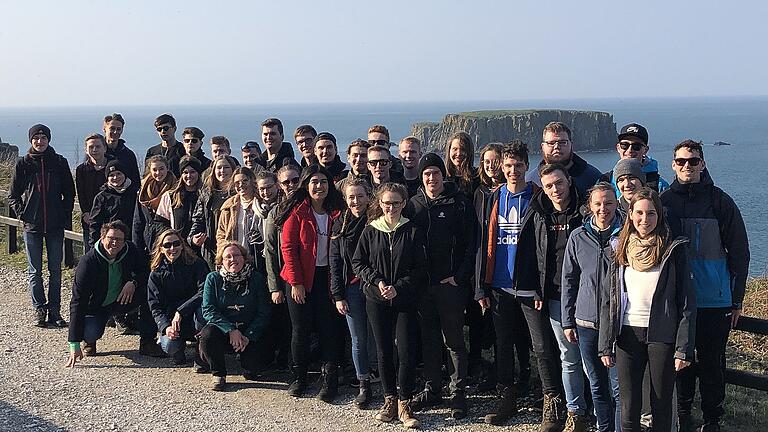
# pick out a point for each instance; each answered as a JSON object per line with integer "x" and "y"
{"x": 187, "y": 254}
{"x": 210, "y": 182}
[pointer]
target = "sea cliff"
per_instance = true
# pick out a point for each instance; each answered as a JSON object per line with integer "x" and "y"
{"x": 592, "y": 130}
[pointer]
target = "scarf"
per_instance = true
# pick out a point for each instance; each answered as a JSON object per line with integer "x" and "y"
{"x": 237, "y": 279}
{"x": 643, "y": 254}
{"x": 124, "y": 187}
{"x": 152, "y": 190}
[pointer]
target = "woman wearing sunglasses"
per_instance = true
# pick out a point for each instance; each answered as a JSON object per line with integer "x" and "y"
{"x": 174, "y": 294}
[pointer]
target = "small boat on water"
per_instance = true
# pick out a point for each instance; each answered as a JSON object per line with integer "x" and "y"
{"x": 722, "y": 143}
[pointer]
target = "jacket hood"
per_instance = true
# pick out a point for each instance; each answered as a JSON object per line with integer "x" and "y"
{"x": 103, "y": 254}
{"x": 381, "y": 225}
{"x": 542, "y": 204}
{"x": 615, "y": 225}
{"x": 650, "y": 165}
{"x": 706, "y": 183}
{"x": 337, "y": 166}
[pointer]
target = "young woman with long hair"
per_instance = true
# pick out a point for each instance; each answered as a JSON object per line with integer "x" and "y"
{"x": 306, "y": 217}
{"x": 146, "y": 224}
{"x": 648, "y": 312}
{"x": 345, "y": 286}
{"x": 89, "y": 176}
{"x": 205, "y": 219}
{"x": 459, "y": 163}
{"x": 390, "y": 260}
{"x": 177, "y": 205}
{"x": 236, "y": 217}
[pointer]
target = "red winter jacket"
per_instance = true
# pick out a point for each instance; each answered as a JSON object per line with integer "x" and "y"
{"x": 299, "y": 245}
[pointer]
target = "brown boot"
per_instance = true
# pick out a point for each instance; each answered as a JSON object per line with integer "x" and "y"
{"x": 406, "y": 414}
{"x": 388, "y": 411}
{"x": 553, "y": 415}
{"x": 89, "y": 349}
{"x": 575, "y": 423}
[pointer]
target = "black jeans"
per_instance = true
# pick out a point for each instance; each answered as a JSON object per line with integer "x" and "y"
{"x": 442, "y": 319}
{"x": 632, "y": 354}
{"x": 95, "y": 323}
{"x": 390, "y": 323}
{"x": 214, "y": 343}
{"x": 511, "y": 333}
{"x": 276, "y": 346}
{"x": 317, "y": 313}
{"x": 544, "y": 346}
{"x": 712, "y": 328}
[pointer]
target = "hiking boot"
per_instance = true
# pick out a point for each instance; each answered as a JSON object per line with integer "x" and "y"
{"x": 710, "y": 426}
{"x": 38, "y": 318}
{"x": 575, "y": 423}
{"x": 55, "y": 319}
{"x": 330, "y": 383}
{"x": 388, "y": 411}
{"x": 219, "y": 383}
{"x": 685, "y": 423}
{"x": 553, "y": 413}
{"x": 364, "y": 396}
{"x": 425, "y": 400}
{"x": 89, "y": 349}
{"x": 459, "y": 405}
{"x": 505, "y": 409}
{"x": 405, "y": 413}
{"x": 299, "y": 384}
{"x": 179, "y": 358}
{"x": 151, "y": 349}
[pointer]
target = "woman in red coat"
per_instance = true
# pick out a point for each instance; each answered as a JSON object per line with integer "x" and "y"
{"x": 306, "y": 217}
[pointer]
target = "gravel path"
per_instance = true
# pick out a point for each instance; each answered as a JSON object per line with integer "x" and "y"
{"x": 120, "y": 390}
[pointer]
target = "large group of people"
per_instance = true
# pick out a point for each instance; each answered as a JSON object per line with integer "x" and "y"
{"x": 623, "y": 285}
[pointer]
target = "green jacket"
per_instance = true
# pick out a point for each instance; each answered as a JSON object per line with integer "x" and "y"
{"x": 229, "y": 309}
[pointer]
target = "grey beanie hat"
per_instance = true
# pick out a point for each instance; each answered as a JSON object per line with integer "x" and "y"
{"x": 629, "y": 167}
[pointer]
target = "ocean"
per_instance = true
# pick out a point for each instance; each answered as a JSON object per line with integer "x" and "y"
{"x": 739, "y": 169}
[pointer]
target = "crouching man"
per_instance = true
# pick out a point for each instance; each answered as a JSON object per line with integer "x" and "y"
{"x": 111, "y": 279}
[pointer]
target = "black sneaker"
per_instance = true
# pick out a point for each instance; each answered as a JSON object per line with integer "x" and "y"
{"x": 151, "y": 349}
{"x": 298, "y": 386}
{"x": 330, "y": 384}
{"x": 55, "y": 319}
{"x": 89, "y": 349}
{"x": 425, "y": 399}
{"x": 374, "y": 376}
{"x": 202, "y": 369}
{"x": 38, "y": 318}
{"x": 505, "y": 409}
{"x": 458, "y": 405}
{"x": 219, "y": 384}
{"x": 179, "y": 357}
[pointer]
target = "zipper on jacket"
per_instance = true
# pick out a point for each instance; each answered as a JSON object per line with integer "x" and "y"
{"x": 697, "y": 237}
{"x": 391, "y": 236}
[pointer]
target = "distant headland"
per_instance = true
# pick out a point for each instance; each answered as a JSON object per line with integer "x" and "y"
{"x": 592, "y": 130}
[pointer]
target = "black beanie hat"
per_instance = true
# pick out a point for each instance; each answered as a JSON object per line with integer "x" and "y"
{"x": 190, "y": 161}
{"x": 112, "y": 166}
{"x": 39, "y": 128}
{"x": 431, "y": 159}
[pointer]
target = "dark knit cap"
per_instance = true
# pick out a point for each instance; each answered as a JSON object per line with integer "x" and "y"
{"x": 190, "y": 161}
{"x": 429, "y": 160}
{"x": 114, "y": 165}
{"x": 630, "y": 167}
{"x": 39, "y": 128}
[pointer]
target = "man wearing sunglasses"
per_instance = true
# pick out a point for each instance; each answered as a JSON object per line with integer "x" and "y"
{"x": 718, "y": 253}
{"x": 165, "y": 125}
{"x": 633, "y": 144}
{"x": 380, "y": 167}
{"x": 193, "y": 146}
{"x": 378, "y": 135}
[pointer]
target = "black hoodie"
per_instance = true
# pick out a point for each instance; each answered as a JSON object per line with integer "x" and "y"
{"x": 451, "y": 229}
{"x": 111, "y": 205}
{"x": 173, "y": 154}
{"x": 127, "y": 157}
{"x": 337, "y": 169}
{"x": 284, "y": 157}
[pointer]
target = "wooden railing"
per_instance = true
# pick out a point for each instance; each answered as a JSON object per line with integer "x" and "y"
{"x": 743, "y": 378}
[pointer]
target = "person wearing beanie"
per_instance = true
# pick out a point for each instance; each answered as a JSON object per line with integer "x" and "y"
{"x": 629, "y": 179}
{"x": 115, "y": 201}
{"x": 177, "y": 205}
{"x": 42, "y": 196}
{"x": 633, "y": 144}
{"x": 327, "y": 155}
{"x": 89, "y": 176}
{"x": 450, "y": 221}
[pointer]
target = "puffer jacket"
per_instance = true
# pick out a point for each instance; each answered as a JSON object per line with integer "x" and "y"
{"x": 245, "y": 307}
{"x": 396, "y": 257}
{"x": 42, "y": 192}
{"x": 175, "y": 287}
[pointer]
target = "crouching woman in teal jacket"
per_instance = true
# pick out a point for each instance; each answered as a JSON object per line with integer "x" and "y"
{"x": 236, "y": 308}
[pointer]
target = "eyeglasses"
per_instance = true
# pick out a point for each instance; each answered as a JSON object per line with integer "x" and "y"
{"x": 391, "y": 204}
{"x": 270, "y": 186}
{"x": 173, "y": 244}
{"x": 191, "y": 140}
{"x": 305, "y": 141}
{"x": 635, "y": 146}
{"x": 290, "y": 181}
{"x": 379, "y": 162}
{"x": 560, "y": 143}
{"x": 381, "y": 142}
{"x": 163, "y": 128}
{"x": 694, "y": 161}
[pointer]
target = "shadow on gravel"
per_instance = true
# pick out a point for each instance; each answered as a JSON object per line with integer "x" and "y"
{"x": 15, "y": 419}
{"x": 237, "y": 386}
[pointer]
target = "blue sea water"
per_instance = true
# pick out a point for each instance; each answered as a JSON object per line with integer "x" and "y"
{"x": 739, "y": 169}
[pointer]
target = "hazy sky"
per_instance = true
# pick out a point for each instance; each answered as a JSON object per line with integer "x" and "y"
{"x": 210, "y": 52}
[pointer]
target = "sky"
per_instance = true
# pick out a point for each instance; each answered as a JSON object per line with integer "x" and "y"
{"x": 88, "y": 53}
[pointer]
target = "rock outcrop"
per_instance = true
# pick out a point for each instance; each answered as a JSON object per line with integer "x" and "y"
{"x": 592, "y": 130}
{"x": 8, "y": 152}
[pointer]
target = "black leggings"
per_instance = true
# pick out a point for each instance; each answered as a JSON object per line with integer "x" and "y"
{"x": 389, "y": 323}
{"x": 633, "y": 353}
{"x": 317, "y": 313}
{"x": 214, "y": 343}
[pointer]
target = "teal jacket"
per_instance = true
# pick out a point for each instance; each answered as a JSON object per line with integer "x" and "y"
{"x": 228, "y": 308}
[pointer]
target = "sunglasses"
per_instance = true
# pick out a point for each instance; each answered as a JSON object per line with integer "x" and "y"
{"x": 191, "y": 140}
{"x": 378, "y": 162}
{"x": 173, "y": 244}
{"x": 163, "y": 128}
{"x": 250, "y": 145}
{"x": 291, "y": 181}
{"x": 381, "y": 142}
{"x": 694, "y": 161}
{"x": 635, "y": 146}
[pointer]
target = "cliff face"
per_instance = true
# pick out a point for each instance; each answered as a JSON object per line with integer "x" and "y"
{"x": 592, "y": 130}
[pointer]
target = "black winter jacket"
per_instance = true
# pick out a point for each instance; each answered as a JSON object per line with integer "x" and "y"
{"x": 343, "y": 250}
{"x": 338, "y": 170}
{"x": 89, "y": 289}
{"x": 128, "y": 158}
{"x": 42, "y": 192}
{"x": 205, "y": 219}
{"x": 284, "y": 157}
{"x": 173, "y": 154}
{"x": 175, "y": 287}
{"x": 111, "y": 205}
{"x": 450, "y": 223}
{"x": 397, "y": 258}
{"x": 147, "y": 225}
{"x": 673, "y": 307}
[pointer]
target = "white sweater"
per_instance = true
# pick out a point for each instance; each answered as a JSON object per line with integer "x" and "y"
{"x": 640, "y": 289}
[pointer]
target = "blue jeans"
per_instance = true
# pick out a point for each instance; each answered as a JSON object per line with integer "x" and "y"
{"x": 601, "y": 382}
{"x": 95, "y": 323}
{"x": 33, "y": 245}
{"x": 190, "y": 325}
{"x": 570, "y": 357}
{"x": 357, "y": 321}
